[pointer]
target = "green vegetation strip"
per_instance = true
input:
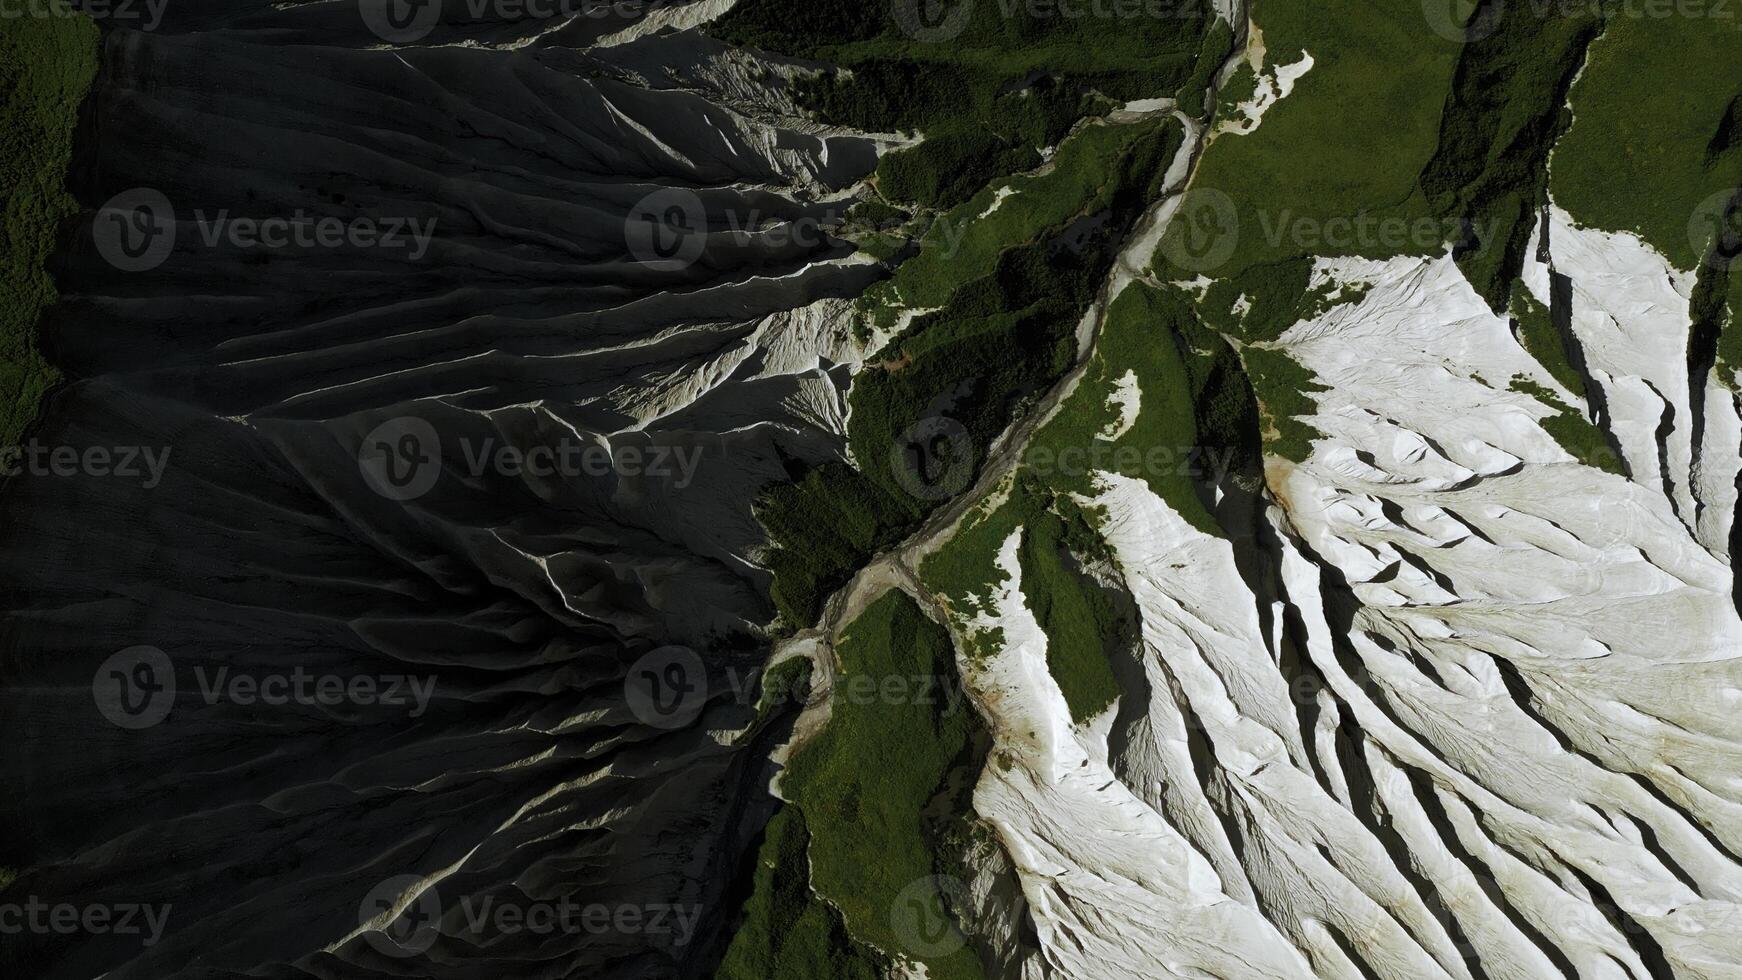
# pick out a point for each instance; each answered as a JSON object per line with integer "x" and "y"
{"x": 1348, "y": 143}
{"x": 1006, "y": 289}
{"x": 46, "y": 67}
{"x": 1535, "y": 327}
{"x": 990, "y": 92}
{"x": 1506, "y": 110}
{"x": 1071, "y": 608}
{"x": 1662, "y": 161}
{"x": 788, "y": 933}
{"x": 1576, "y": 434}
{"x": 1197, "y": 423}
{"x": 1642, "y": 158}
{"x": 1403, "y": 139}
{"x": 881, "y": 790}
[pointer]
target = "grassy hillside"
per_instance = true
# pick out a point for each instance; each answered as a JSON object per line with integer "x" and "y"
{"x": 876, "y": 799}
{"x": 46, "y": 67}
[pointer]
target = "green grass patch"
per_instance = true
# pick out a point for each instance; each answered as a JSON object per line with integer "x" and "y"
{"x": 1506, "y": 109}
{"x": 1197, "y": 423}
{"x": 1716, "y": 308}
{"x": 1661, "y": 161}
{"x": 1071, "y": 608}
{"x": 1007, "y": 290}
{"x": 1103, "y": 168}
{"x": 1576, "y": 434}
{"x": 1285, "y": 397}
{"x": 787, "y": 933}
{"x": 46, "y": 67}
{"x": 1218, "y": 45}
{"x": 1348, "y": 144}
{"x": 1642, "y": 157}
{"x": 871, "y": 782}
{"x": 1534, "y": 325}
{"x": 1197, "y": 417}
{"x": 783, "y": 688}
{"x": 1398, "y": 141}
{"x": 825, "y": 527}
{"x": 1257, "y": 306}
{"x": 963, "y": 574}
{"x": 989, "y": 98}
{"x": 1239, "y": 89}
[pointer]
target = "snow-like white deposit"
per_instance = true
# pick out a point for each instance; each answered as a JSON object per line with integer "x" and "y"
{"x": 1127, "y": 399}
{"x": 1472, "y": 712}
{"x": 1552, "y": 647}
{"x": 1273, "y": 86}
{"x": 1112, "y": 888}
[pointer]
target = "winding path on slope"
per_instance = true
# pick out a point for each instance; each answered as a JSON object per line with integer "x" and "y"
{"x": 898, "y": 568}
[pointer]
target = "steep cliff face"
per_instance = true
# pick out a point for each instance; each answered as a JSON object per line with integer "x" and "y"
{"x": 497, "y": 305}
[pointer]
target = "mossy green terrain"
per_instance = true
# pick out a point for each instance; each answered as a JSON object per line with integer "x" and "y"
{"x": 1506, "y": 109}
{"x": 1654, "y": 136}
{"x": 1400, "y": 140}
{"x": 1256, "y": 307}
{"x": 870, "y": 784}
{"x": 990, "y": 92}
{"x": 1349, "y": 142}
{"x": 1197, "y": 424}
{"x": 1076, "y": 616}
{"x": 46, "y": 67}
{"x": 1536, "y": 331}
{"x": 1006, "y": 288}
{"x": 1218, "y": 45}
{"x": 787, "y": 932}
{"x": 1576, "y": 434}
{"x": 1664, "y": 161}
{"x": 1335, "y": 169}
